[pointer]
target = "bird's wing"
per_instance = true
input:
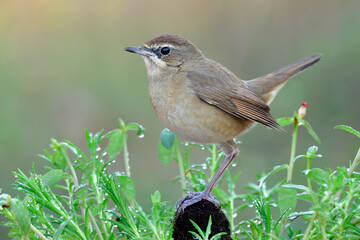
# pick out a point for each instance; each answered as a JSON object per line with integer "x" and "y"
{"x": 238, "y": 101}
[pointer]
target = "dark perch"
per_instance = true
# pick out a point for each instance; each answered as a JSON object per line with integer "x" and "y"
{"x": 199, "y": 212}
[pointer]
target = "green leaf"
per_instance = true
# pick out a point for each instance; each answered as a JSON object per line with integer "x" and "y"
{"x": 339, "y": 180}
{"x": 296, "y": 186}
{"x": 348, "y": 129}
{"x": 81, "y": 192}
{"x": 272, "y": 172}
{"x": 143, "y": 238}
{"x": 317, "y": 175}
{"x": 4, "y": 199}
{"x": 221, "y": 194}
{"x": 354, "y": 227}
{"x": 287, "y": 199}
{"x": 298, "y": 157}
{"x": 165, "y": 154}
{"x": 285, "y": 121}
{"x": 218, "y": 236}
{"x": 54, "y": 144}
{"x": 201, "y": 234}
{"x": 75, "y": 150}
{"x": 311, "y": 131}
{"x": 156, "y": 197}
{"x": 255, "y": 230}
{"x": 300, "y": 214}
{"x": 58, "y": 159}
{"x": 96, "y": 209}
{"x": 167, "y": 138}
{"x": 127, "y": 186}
{"x": 53, "y": 177}
{"x": 21, "y": 214}
{"x": 135, "y": 126}
{"x": 90, "y": 201}
{"x": 122, "y": 125}
{"x": 305, "y": 196}
{"x": 312, "y": 150}
{"x": 86, "y": 176}
{"x": 281, "y": 217}
{"x": 195, "y": 235}
{"x": 115, "y": 143}
{"x": 208, "y": 228}
{"x": 61, "y": 228}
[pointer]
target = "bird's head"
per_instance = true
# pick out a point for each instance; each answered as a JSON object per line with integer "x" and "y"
{"x": 166, "y": 52}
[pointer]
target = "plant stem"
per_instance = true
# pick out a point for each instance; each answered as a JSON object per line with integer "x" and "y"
{"x": 126, "y": 155}
{"x": 323, "y": 231}
{"x": 355, "y": 163}
{"x": 126, "y": 152}
{"x": 213, "y": 159}
{"x": 181, "y": 166}
{"x": 315, "y": 200}
{"x": 231, "y": 211}
{"x": 345, "y": 207}
{"x": 37, "y": 232}
{"x": 72, "y": 170}
{"x": 306, "y": 235}
{"x": 291, "y": 163}
{"x": 95, "y": 225}
{"x": 352, "y": 168}
{"x": 76, "y": 182}
{"x": 293, "y": 149}
{"x": 104, "y": 225}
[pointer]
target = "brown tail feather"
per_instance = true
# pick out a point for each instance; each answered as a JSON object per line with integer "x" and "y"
{"x": 267, "y": 86}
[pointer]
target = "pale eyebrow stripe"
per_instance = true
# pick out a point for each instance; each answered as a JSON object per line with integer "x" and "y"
{"x": 161, "y": 45}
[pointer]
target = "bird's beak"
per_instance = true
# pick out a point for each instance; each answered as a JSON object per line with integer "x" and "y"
{"x": 140, "y": 50}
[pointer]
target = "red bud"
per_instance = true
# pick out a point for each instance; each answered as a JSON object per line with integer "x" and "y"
{"x": 302, "y": 109}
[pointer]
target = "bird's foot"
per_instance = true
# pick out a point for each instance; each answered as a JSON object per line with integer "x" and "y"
{"x": 195, "y": 197}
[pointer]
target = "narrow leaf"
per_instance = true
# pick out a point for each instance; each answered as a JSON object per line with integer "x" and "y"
{"x": 208, "y": 228}
{"x": 294, "y": 215}
{"x": 285, "y": 121}
{"x": 61, "y": 228}
{"x": 272, "y": 172}
{"x": 202, "y": 234}
{"x": 348, "y": 129}
{"x": 311, "y": 131}
{"x": 295, "y": 186}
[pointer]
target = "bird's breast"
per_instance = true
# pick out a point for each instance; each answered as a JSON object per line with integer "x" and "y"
{"x": 181, "y": 111}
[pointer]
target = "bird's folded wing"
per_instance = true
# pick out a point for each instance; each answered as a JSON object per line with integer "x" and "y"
{"x": 239, "y": 101}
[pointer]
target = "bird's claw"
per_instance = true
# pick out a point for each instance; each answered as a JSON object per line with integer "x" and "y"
{"x": 192, "y": 198}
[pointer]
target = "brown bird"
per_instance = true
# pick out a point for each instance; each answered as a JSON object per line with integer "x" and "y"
{"x": 203, "y": 101}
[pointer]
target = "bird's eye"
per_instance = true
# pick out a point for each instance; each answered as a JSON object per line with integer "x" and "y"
{"x": 165, "y": 50}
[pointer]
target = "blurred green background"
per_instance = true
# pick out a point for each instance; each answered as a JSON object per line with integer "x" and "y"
{"x": 62, "y": 69}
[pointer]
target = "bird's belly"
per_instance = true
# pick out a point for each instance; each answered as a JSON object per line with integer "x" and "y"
{"x": 195, "y": 120}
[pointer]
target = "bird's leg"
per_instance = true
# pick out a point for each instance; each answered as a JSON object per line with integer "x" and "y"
{"x": 231, "y": 150}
